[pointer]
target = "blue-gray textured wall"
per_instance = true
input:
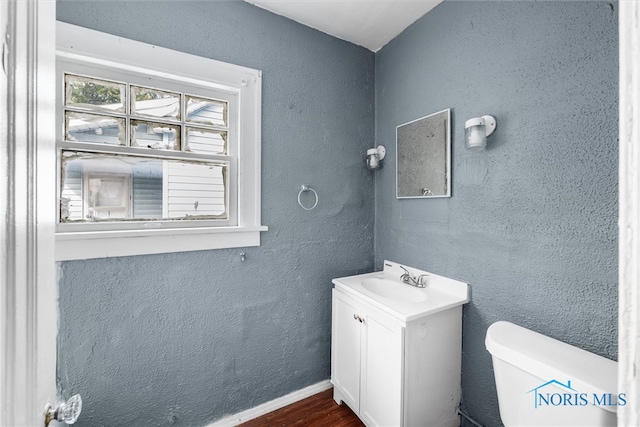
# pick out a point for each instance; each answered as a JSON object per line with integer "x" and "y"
{"x": 182, "y": 339}
{"x": 532, "y": 224}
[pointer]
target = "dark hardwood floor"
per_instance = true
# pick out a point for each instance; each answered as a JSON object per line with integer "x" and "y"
{"x": 319, "y": 410}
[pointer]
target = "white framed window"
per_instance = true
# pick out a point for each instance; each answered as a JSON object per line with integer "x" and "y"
{"x": 158, "y": 150}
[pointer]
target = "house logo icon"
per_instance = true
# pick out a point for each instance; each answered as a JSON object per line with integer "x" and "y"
{"x": 541, "y": 398}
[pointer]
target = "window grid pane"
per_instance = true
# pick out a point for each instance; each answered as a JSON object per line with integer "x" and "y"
{"x": 206, "y": 111}
{"x": 206, "y": 141}
{"x": 155, "y": 103}
{"x": 107, "y": 187}
{"x": 155, "y": 135}
{"x": 101, "y": 129}
{"x": 94, "y": 94}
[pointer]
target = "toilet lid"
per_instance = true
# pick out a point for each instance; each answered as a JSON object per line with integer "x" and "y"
{"x": 548, "y": 358}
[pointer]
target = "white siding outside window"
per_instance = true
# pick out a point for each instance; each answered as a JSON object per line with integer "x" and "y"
{"x": 193, "y": 190}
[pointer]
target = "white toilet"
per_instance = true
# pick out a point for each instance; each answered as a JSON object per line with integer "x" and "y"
{"x": 545, "y": 382}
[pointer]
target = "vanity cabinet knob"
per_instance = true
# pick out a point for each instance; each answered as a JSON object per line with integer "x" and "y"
{"x": 358, "y": 318}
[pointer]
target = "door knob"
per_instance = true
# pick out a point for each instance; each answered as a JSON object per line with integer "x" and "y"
{"x": 67, "y": 412}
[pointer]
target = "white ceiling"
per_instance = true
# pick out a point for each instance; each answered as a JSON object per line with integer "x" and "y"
{"x": 367, "y": 23}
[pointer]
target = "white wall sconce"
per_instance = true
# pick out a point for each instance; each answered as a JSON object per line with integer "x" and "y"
{"x": 477, "y": 130}
{"x": 375, "y": 155}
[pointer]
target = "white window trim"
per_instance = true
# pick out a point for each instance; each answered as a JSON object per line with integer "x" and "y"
{"x": 81, "y": 44}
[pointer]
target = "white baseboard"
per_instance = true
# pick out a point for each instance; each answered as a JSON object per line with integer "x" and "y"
{"x": 265, "y": 408}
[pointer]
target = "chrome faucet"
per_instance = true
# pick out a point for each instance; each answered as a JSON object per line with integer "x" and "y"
{"x": 411, "y": 280}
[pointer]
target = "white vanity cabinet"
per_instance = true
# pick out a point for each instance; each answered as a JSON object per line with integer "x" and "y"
{"x": 366, "y": 361}
{"x": 394, "y": 368}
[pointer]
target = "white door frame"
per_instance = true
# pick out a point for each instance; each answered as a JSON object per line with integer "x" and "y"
{"x": 28, "y": 296}
{"x": 629, "y": 217}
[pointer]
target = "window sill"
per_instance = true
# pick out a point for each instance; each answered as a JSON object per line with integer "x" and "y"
{"x": 104, "y": 244}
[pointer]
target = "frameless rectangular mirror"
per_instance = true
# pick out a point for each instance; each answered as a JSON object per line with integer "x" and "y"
{"x": 423, "y": 157}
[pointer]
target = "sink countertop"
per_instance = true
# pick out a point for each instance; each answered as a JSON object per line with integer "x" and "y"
{"x": 441, "y": 292}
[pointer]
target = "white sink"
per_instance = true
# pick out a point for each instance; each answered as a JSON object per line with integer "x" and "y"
{"x": 384, "y": 290}
{"x": 394, "y": 290}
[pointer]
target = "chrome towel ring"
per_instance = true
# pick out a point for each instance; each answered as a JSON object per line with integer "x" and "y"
{"x": 303, "y": 189}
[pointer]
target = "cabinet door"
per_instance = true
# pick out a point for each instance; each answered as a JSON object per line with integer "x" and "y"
{"x": 345, "y": 352}
{"x": 382, "y": 372}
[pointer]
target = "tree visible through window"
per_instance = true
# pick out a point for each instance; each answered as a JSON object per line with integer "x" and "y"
{"x": 90, "y": 93}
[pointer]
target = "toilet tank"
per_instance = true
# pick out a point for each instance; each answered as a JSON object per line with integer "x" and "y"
{"x": 545, "y": 382}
